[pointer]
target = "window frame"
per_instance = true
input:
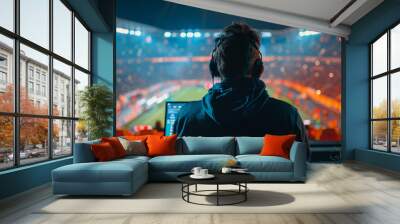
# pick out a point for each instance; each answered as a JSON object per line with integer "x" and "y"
{"x": 388, "y": 74}
{"x": 16, "y": 115}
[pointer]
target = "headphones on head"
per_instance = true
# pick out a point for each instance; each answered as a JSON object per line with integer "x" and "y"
{"x": 258, "y": 66}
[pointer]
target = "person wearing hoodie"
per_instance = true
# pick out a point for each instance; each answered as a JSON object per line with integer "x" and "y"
{"x": 239, "y": 105}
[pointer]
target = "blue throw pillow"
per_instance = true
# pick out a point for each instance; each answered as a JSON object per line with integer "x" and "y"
{"x": 249, "y": 145}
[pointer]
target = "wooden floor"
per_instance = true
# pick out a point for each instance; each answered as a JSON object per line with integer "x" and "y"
{"x": 377, "y": 188}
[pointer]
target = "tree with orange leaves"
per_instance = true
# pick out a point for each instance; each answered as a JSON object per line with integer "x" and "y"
{"x": 33, "y": 131}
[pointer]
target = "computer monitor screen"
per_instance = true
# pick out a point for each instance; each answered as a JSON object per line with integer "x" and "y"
{"x": 171, "y": 111}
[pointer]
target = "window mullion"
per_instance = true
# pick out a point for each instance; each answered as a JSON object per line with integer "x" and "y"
{"x": 389, "y": 113}
{"x": 16, "y": 69}
{"x": 371, "y": 142}
{"x": 50, "y": 81}
{"x": 73, "y": 82}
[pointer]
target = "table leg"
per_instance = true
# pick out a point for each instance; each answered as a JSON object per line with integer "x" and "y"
{"x": 245, "y": 193}
{"x": 182, "y": 190}
{"x": 195, "y": 188}
{"x": 217, "y": 194}
{"x": 188, "y": 189}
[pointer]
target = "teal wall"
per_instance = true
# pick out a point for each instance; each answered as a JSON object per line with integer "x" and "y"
{"x": 24, "y": 178}
{"x": 380, "y": 159}
{"x": 356, "y": 100}
{"x": 102, "y": 59}
{"x": 356, "y": 85}
{"x": 103, "y": 62}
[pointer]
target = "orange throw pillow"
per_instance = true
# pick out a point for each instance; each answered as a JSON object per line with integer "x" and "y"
{"x": 277, "y": 145}
{"x": 161, "y": 145}
{"x": 116, "y": 145}
{"x": 103, "y": 152}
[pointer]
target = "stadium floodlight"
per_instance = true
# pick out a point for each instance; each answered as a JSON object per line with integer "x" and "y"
{"x": 138, "y": 33}
{"x": 216, "y": 34}
{"x": 197, "y": 34}
{"x": 308, "y": 33}
{"x": 122, "y": 30}
{"x": 266, "y": 34}
{"x": 132, "y": 32}
{"x": 207, "y": 34}
{"x": 167, "y": 34}
{"x": 189, "y": 34}
{"x": 183, "y": 34}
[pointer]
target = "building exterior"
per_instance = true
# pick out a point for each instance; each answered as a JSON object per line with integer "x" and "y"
{"x": 34, "y": 79}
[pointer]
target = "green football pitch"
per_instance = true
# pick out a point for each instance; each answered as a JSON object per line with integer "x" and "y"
{"x": 157, "y": 113}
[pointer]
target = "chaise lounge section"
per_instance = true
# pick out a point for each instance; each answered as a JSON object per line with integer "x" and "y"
{"x": 125, "y": 176}
{"x": 88, "y": 177}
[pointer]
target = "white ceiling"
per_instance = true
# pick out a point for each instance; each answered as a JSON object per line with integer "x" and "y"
{"x": 321, "y": 9}
{"x": 316, "y": 15}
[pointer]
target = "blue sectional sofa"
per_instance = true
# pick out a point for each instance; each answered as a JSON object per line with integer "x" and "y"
{"x": 125, "y": 176}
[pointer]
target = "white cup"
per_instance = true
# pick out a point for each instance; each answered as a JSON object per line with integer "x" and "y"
{"x": 196, "y": 171}
{"x": 203, "y": 172}
{"x": 226, "y": 170}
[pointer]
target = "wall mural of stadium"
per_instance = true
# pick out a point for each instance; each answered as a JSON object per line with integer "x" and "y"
{"x": 154, "y": 66}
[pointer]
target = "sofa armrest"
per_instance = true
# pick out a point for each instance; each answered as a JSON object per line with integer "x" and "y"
{"x": 83, "y": 152}
{"x": 298, "y": 155}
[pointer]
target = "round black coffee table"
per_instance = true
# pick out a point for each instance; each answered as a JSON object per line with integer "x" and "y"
{"x": 238, "y": 179}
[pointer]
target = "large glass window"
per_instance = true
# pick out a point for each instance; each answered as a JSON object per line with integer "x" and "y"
{"x": 62, "y": 89}
{"x": 6, "y": 142}
{"x": 62, "y": 137}
{"x": 385, "y": 94}
{"x": 6, "y": 74}
{"x": 379, "y": 98}
{"x": 62, "y": 29}
{"x": 379, "y": 56}
{"x": 81, "y": 81}
{"x": 395, "y": 136}
{"x": 395, "y": 47}
{"x": 81, "y": 45}
{"x": 34, "y": 21}
{"x": 7, "y": 14}
{"x": 40, "y": 62}
{"x": 395, "y": 95}
{"x": 33, "y": 140}
{"x": 39, "y": 124}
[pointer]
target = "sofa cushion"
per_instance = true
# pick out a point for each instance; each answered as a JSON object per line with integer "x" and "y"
{"x": 206, "y": 145}
{"x": 116, "y": 145}
{"x": 103, "y": 152}
{"x": 185, "y": 163}
{"x": 249, "y": 145}
{"x": 257, "y": 163}
{"x": 161, "y": 145}
{"x": 136, "y": 147}
{"x": 277, "y": 145}
{"x": 112, "y": 171}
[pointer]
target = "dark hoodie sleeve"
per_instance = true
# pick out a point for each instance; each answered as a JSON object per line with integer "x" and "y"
{"x": 181, "y": 125}
{"x": 301, "y": 133}
{"x": 178, "y": 126}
